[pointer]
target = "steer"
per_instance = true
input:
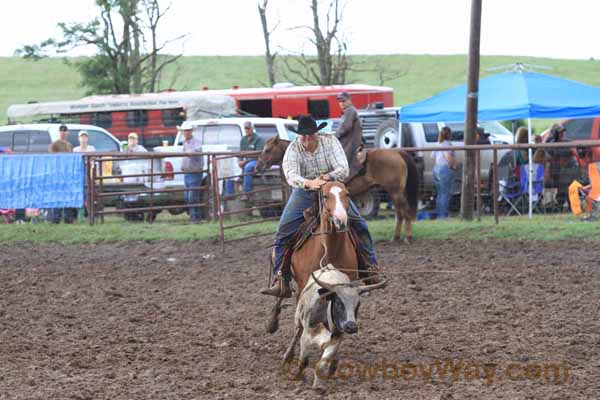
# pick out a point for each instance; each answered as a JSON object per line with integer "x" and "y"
{"x": 327, "y": 308}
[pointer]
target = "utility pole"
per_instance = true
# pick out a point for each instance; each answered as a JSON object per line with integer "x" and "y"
{"x": 468, "y": 172}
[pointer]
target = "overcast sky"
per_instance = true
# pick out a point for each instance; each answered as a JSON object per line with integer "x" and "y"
{"x": 544, "y": 28}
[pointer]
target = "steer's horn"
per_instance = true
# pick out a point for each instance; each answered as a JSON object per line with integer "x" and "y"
{"x": 324, "y": 285}
{"x": 368, "y": 288}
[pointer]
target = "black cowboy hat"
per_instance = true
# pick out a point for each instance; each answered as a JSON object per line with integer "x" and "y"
{"x": 307, "y": 125}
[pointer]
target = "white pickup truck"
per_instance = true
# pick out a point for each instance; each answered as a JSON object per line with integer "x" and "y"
{"x": 221, "y": 135}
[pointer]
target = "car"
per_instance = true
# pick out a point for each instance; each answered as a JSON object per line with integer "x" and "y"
{"x": 37, "y": 138}
{"x": 581, "y": 129}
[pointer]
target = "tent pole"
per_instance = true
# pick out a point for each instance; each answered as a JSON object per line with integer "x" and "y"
{"x": 530, "y": 157}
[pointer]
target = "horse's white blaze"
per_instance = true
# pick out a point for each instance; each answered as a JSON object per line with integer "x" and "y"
{"x": 339, "y": 213}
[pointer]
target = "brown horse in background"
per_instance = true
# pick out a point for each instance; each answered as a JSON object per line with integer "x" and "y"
{"x": 394, "y": 171}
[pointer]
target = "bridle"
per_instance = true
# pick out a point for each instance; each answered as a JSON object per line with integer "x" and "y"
{"x": 323, "y": 209}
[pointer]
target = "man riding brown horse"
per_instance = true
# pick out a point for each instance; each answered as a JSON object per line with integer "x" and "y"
{"x": 310, "y": 161}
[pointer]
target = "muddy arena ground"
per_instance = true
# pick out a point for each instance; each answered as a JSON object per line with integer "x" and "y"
{"x": 181, "y": 320}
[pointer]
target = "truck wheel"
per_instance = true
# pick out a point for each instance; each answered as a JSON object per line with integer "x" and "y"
{"x": 177, "y": 211}
{"x": 134, "y": 216}
{"x": 368, "y": 203}
{"x": 386, "y": 135}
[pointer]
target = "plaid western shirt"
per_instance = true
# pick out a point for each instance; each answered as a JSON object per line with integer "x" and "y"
{"x": 328, "y": 158}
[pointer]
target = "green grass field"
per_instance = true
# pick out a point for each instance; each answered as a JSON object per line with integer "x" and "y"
{"x": 421, "y": 75}
{"x": 555, "y": 227}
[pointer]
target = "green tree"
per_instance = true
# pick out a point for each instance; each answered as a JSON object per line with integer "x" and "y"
{"x": 127, "y": 56}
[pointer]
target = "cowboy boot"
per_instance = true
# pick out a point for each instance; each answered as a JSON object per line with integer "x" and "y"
{"x": 374, "y": 273}
{"x": 280, "y": 288}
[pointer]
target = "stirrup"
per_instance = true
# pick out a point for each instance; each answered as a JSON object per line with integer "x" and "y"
{"x": 374, "y": 274}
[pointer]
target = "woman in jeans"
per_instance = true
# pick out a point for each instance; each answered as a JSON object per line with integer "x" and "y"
{"x": 443, "y": 173}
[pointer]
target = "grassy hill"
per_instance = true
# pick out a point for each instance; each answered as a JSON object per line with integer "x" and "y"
{"x": 420, "y": 75}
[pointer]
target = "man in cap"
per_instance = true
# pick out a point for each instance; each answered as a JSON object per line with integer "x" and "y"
{"x": 310, "y": 161}
{"x": 132, "y": 144}
{"x": 349, "y": 132}
{"x": 83, "y": 147}
{"x": 249, "y": 142}
{"x": 62, "y": 146}
{"x": 192, "y": 165}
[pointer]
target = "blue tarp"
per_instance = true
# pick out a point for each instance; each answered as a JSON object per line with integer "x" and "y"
{"x": 41, "y": 180}
{"x": 509, "y": 96}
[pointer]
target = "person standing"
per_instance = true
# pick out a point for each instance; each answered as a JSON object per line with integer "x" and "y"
{"x": 132, "y": 144}
{"x": 443, "y": 173}
{"x": 249, "y": 142}
{"x": 349, "y": 133}
{"x": 192, "y": 177}
{"x": 62, "y": 146}
{"x": 84, "y": 146}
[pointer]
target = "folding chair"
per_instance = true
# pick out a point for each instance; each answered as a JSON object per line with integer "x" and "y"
{"x": 537, "y": 186}
{"x": 511, "y": 192}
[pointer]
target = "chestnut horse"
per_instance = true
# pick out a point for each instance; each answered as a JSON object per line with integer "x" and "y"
{"x": 329, "y": 244}
{"x": 394, "y": 171}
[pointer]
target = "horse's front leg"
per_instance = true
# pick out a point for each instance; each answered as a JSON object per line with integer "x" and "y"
{"x": 273, "y": 323}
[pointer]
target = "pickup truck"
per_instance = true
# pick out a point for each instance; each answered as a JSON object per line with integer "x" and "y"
{"x": 224, "y": 135}
{"x": 382, "y": 129}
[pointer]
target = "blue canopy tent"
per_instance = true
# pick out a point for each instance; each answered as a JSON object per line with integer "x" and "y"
{"x": 509, "y": 96}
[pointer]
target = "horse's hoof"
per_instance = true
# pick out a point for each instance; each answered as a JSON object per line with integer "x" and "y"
{"x": 408, "y": 240}
{"x": 395, "y": 239}
{"x": 272, "y": 325}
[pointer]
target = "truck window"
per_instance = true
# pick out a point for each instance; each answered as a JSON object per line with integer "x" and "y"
{"x": 431, "y": 132}
{"x": 579, "y": 129}
{"x": 39, "y": 141}
{"x": 20, "y": 140}
{"x": 231, "y": 136}
{"x": 100, "y": 140}
{"x": 136, "y": 118}
{"x": 172, "y": 117}
{"x": 458, "y": 131}
{"x": 266, "y": 132}
{"x": 6, "y": 139}
{"x": 260, "y": 108}
{"x": 210, "y": 135}
{"x": 319, "y": 109}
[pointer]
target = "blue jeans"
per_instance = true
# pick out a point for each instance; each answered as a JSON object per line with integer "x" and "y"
{"x": 293, "y": 217}
{"x": 443, "y": 178}
{"x": 246, "y": 179}
{"x": 248, "y": 168}
{"x": 192, "y": 196}
{"x": 69, "y": 213}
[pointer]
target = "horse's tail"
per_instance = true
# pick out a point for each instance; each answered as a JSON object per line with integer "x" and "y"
{"x": 411, "y": 190}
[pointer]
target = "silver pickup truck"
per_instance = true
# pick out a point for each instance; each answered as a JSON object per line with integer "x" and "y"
{"x": 382, "y": 129}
